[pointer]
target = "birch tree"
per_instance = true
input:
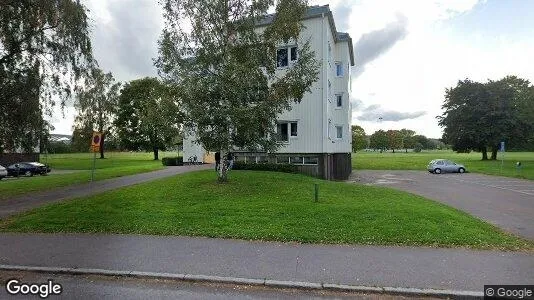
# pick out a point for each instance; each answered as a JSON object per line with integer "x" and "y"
{"x": 226, "y": 67}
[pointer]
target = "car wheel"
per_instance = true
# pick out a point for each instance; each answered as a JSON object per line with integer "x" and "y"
{"x": 461, "y": 170}
{"x": 437, "y": 171}
{"x": 28, "y": 173}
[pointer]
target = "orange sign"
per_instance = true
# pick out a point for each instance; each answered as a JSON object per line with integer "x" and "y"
{"x": 95, "y": 142}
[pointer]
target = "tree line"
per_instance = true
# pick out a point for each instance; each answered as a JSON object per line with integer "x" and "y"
{"x": 382, "y": 140}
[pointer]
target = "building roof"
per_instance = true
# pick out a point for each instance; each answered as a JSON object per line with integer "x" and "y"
{"x": 316, "y": 11}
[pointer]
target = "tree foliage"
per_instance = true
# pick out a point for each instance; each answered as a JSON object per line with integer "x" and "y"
{"x": 44, "y": 49}
{"x": 359, "y": 139}
{"x": 379, "y": 140}
{"x": 226, "y": 67}
{"x": 395, "y": 139}
{"x": 96, "y": 104}
{"x": 478, "y": 116}
{"x": 148, "y": 116}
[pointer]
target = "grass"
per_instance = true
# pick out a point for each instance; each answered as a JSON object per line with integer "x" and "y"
{"x": 472, "y": 161}
{"x": 268, "y": 206}
{"x": 114, "y": 165}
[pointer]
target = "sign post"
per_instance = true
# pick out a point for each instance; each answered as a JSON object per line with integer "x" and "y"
{"x": 95, "y": 147}
{"x": 502, "y": 155}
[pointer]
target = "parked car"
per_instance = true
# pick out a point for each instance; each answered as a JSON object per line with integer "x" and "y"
{"x": 3, "y": 172}
{"x": 438, "y": 166}
{"x": 27, "y": 169}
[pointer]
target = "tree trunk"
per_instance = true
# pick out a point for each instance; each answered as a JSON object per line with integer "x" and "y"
{"x": 222, "y": 173}
{"x": 484, "y": 153}
{"x": 393, "y": 150}
{"x": 156, "y": 153}
{"x": 102, "y": 146}
{"x": 493, "y": 153}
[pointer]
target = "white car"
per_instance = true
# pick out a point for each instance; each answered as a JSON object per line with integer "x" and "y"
{"x": 3, "y": 172}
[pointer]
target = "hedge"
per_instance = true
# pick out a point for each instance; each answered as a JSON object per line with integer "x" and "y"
{"x": 286, "y": 168}
{"x": 173, "y": 161}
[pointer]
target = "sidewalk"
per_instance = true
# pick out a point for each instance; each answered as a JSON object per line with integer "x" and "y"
{"x": 25, "y": 202}
{"x": 450, "y": 269}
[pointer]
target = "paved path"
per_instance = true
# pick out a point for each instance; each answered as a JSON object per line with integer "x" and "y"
{"x": 456, "y": 269}
{"x": 505, "y": 202}
{"x": 25, "y": 202}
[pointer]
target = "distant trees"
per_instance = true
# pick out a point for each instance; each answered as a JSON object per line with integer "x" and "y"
{"x": 359, "y": 139}
{"x": 148, "y": 116}
{"x": 379, "y": 140}
{"x": 402, "y": 139}
{"x": 395, "y": 139}
{"x": 96, "y": 104}
{"x": 478, "y": 116}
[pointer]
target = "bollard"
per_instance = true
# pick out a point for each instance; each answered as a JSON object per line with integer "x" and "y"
{"x": 316, "y": 192}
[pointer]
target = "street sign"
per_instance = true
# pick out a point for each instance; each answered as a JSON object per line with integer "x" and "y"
{"x": 502, "y": 147}
{"x": 95, "y": 141}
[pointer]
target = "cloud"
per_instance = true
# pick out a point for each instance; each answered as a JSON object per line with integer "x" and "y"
{"x": 375, "y": 111}
{"x": 342, "y": 13}
{"x": 125, "y": 36}
{"x": 373, "y": 44}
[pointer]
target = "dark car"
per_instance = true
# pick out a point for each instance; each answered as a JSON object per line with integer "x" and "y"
{"x": 27, "y": 169}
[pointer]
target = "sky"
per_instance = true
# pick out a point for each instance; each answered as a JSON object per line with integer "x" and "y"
{"x": 407, "y": 52}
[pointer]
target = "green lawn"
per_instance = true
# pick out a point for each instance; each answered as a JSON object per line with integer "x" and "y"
{"x": 114, "y": 165}
{"x": 268, "y": 206}
{"x": 472, "y": 161}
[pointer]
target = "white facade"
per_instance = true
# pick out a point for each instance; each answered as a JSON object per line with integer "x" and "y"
{"x": 323, "y": 121}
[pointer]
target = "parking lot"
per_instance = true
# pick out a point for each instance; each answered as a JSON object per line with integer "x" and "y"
{"x": 505, "y": 202}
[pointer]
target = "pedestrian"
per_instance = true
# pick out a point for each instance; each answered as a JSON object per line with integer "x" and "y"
{"x": 217, "y": 160}
{"x": 230, "y": 158}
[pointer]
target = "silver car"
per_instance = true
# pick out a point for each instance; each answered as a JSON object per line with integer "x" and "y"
{"x": 438, "y": 166}
{"x": 3, "y": 172}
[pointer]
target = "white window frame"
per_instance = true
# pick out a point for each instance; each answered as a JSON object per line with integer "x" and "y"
{"x": 336, "y": 64}
{"x": 289, "y": 136}
{"x": 290, "y": 61}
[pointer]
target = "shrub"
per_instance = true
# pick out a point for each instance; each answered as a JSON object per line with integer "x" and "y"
{"x": 286, "y": 168}
{"x": 173, "y": 161}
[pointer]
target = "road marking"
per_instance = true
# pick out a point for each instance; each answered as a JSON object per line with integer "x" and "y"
{"x": 494, "y": 186}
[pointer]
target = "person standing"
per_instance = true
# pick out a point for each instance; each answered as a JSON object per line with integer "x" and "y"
{"x": 217, "y": 160}
{"x": 230, "y": 158}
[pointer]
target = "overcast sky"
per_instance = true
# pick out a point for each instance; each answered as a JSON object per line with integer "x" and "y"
{"x": 406, "y": 52}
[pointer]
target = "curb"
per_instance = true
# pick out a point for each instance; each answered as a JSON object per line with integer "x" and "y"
{"x": 248, "y": 281}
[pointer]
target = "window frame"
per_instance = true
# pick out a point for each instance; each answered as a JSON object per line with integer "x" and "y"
{"x": 288, "y": 49}
{"x": 340, "y": 95}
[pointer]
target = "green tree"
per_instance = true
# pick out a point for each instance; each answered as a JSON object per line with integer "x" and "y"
{"x": 379, "y": 140}
{"x": 479, "y": 115}
{"x": 227, "y": 69}
{"x": 96, "y": 104}
{"x": 148, "y": 116}
{"x": 408, "y": 139}
{"x": 44, "y": 49}
{"x": 395, "y": 139}
{"x": 81, "y": 137}
{"x": 359, "y": 139}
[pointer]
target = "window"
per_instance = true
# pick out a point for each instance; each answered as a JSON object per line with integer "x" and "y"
{"x": 281, "y": 58}
{"x": 262, "y": 159}
{"x": 294, "y": 129}
{"x": 282, "y": 159}
{"x": 281, "y": 132}
{"x": 297, "y": 160}
{"x": 286, "y": 129}
{"x": 286, "y": 55}
{"x": 294, "y": 54}
{"x": 339, "y": 69}
{"x": 339, "y": 132}
{"x": 339, "y": 100}
{"x": 308, "y": 160}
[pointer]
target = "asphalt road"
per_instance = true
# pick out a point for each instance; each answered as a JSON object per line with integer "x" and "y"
{"x": 22, "y": 203}
{"x": 453, "y": 269}
{"x": 101, "y": 287}
{"x": 505, "y": 202}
